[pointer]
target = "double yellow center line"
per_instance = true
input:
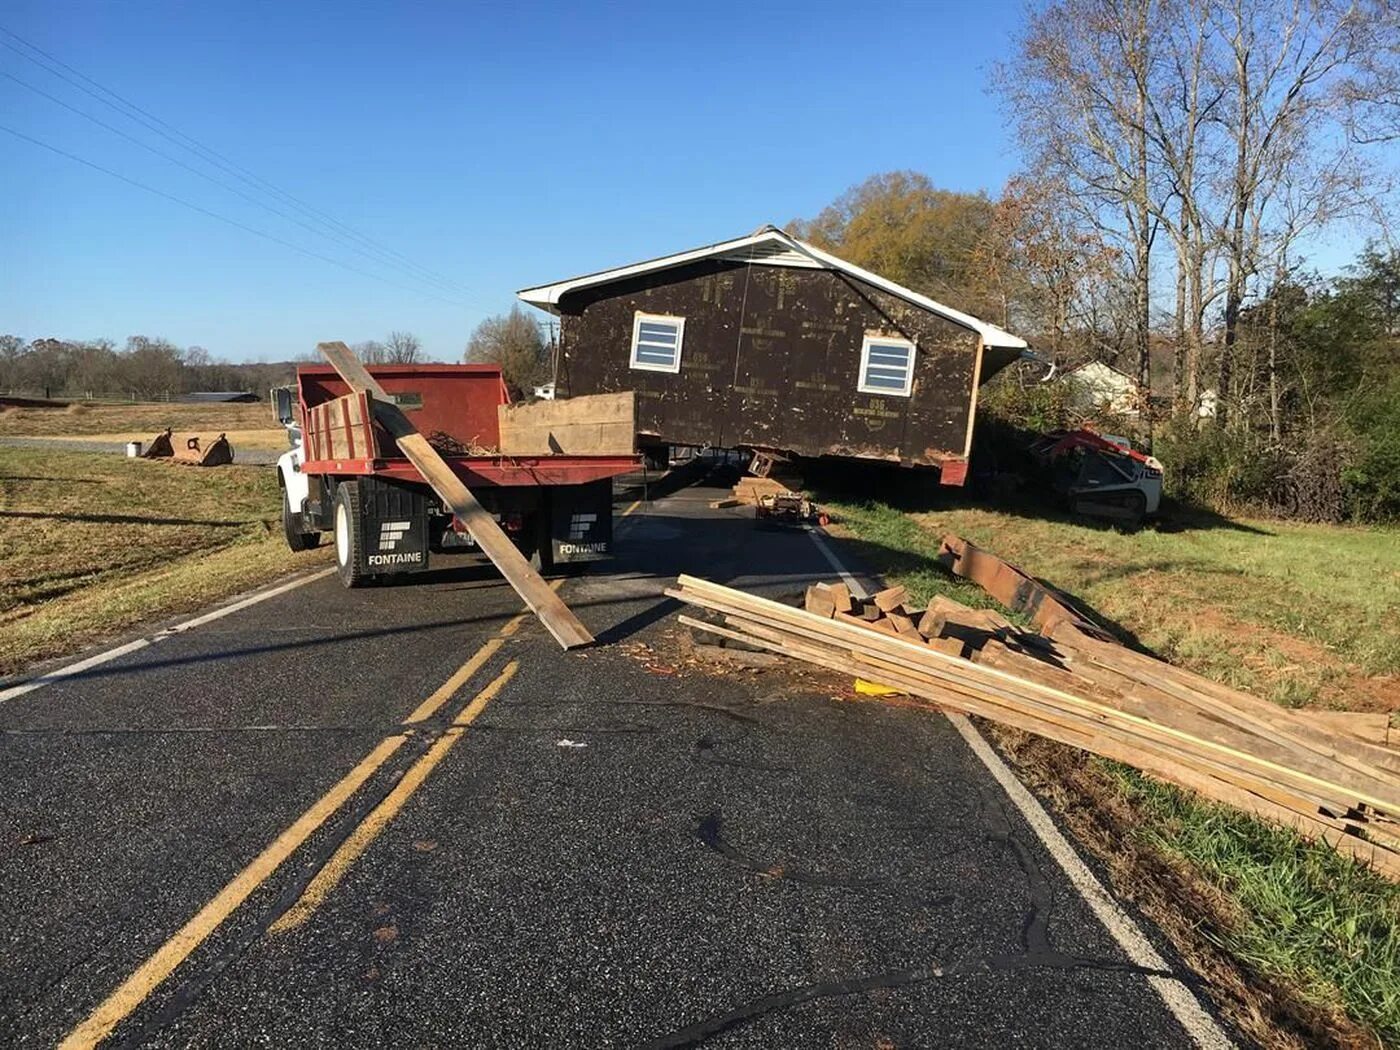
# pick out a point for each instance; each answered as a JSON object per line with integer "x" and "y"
{"x": 136, "y": 988}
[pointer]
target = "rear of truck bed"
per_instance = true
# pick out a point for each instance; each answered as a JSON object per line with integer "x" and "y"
{"x": 346, "y": 475}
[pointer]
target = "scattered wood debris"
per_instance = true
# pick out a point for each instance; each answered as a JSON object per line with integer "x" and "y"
{"x": 1070, "y": 683}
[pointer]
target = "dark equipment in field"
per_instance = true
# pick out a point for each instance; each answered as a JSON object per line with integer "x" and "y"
{"x": 1098, "y": 476}
{"x": 770, "y": 344}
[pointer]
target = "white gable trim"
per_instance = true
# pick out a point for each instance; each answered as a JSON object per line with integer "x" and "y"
{"x": 772, "y": 247}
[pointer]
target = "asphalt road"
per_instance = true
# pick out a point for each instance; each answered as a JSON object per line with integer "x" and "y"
{"x": 616, "y": 847}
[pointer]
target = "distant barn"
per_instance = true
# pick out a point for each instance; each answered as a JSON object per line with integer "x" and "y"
{"x": 229, "y": 396}
{"x": 768, "y": 343}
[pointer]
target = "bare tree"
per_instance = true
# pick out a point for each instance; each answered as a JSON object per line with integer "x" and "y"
{"x": 371, "y": 352}
{"x": 402, "y": 348}
{"x": 1047, "y": 268}
{"x": 513, "y": 341}
{"x": 1181, "y": 109}
{"x": 1290, "y": 81}
{"x": 1078, "y": 92}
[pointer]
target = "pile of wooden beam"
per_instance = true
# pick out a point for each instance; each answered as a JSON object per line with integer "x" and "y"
{"x": 750, "y": 492}
{"x": 1074, "y": 686}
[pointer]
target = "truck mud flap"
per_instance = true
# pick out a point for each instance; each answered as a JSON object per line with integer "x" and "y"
{"x": 395, "y": 527}
{"x": 581, "y": 522}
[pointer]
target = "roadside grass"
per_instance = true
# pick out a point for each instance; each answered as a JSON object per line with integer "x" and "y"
{"x": 1303, "y": 614}
{"x": 251, "y": 426}
{"x": 1328, "y": 924}
{"x": 91, "y": 544}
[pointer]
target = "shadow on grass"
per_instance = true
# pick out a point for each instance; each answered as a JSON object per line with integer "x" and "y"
{"x": 917, "y": 490}
{"x": 888, "y": 561}
{"x": 120, "y": 519}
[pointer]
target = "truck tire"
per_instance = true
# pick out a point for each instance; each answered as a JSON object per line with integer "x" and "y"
{"x": 297, "y": 540}
{"x": 349, "y": 538}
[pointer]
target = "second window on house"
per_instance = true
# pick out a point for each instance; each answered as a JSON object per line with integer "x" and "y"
{"x": 656, "y": 342}
{"x": 886, "y": 366}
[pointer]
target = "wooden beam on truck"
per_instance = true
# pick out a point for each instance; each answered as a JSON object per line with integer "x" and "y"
{"x": 591, "y": 425}
{"x": 557, "y": 617}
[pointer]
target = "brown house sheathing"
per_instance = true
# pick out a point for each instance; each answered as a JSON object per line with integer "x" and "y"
{"x": 771, "y": 359}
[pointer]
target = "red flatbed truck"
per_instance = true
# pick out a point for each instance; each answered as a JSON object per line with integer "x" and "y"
{"x": 345, "y": 475}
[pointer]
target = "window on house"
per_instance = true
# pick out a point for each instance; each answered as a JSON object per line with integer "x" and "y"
{"x": 886, "y": 366}
{"x": 656, "y": 342}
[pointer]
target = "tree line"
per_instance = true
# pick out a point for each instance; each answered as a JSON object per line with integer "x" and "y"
{"x": 1180, "y": 158}
{"x": 144, "y": 369}
{"x": 154, "y": 369}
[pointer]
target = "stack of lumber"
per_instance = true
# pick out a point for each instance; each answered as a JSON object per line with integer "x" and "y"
{"x": 751, "y": 492}
{"x": 1073, "y": 686}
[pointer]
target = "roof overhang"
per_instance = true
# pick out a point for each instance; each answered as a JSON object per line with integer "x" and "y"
{"x": 768, "y": 247}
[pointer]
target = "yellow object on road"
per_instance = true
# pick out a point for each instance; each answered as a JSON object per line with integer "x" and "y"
{"x": 875, "y": 689}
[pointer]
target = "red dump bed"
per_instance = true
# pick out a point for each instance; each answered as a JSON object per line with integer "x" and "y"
{"x": 453, "y": 406}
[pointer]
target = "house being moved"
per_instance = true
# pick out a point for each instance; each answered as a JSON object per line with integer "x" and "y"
{"x": 768, "y": 343}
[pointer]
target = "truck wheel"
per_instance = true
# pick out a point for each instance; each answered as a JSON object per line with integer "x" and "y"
{"x": 291, "y": 527}
{"x": 349, "y": 539}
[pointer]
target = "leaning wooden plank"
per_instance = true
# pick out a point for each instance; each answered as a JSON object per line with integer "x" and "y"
{"x": 537, "y": 595}
{"x": 1011, "y": 586}
{"x": 592, "y": 425}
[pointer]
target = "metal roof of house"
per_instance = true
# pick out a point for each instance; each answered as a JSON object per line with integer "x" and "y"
{"x": 770, "y": 246}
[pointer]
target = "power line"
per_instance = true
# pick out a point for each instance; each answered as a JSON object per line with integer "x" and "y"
{"x": 206, "y": 153}
{"x": 210, "y": 178}
{"x": 223, "y": 218}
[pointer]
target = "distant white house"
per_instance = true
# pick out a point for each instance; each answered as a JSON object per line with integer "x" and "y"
{"x": 1206, "y": 404}
{"x": 1099, "y": 385}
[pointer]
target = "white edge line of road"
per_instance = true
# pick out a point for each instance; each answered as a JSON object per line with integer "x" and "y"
{"x": 1180, "y": 1000}
{"x": 108, "y": 655}
{"x": 67, "y": 671}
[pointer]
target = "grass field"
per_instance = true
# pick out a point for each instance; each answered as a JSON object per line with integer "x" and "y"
{"x": 247, "y": 426}
{"x": 1306, "y": 615}
{"x": 93, "y": 543}
{"x": 1301, "y": 614}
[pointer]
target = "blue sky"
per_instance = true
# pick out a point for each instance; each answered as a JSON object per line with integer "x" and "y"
{"x": 500, "y": 146}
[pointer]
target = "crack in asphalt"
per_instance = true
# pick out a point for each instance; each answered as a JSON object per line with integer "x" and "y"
{"x": 728, "y": 712}
{"x": 701, "y": 1031}
{"x": 1036, "y": 951}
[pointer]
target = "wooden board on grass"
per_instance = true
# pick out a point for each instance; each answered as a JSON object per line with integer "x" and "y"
{"x": 537, "y": 595}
